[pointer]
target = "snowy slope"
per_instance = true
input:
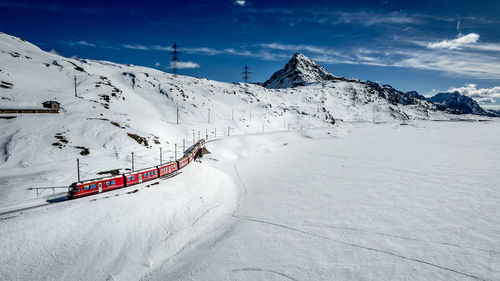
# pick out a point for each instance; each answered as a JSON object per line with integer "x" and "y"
{"x": 116, "y": 102}
{"x": 381, "y": 202}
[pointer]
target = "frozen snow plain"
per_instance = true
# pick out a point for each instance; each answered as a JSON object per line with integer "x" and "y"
{"x": 359, "y": 201}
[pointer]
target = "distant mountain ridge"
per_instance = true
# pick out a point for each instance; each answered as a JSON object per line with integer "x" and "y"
{"x": 302, "y": 71}
{"x": 461, "y": 103}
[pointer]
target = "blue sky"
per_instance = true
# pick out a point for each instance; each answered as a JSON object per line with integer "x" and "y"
{"x": 428, "y": 46}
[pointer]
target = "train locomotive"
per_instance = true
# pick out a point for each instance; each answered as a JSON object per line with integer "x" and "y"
{"x": 94, "y": 186}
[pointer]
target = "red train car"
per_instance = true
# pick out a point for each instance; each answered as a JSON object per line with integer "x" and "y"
{"x": 143, "y": 175}
{"x": 168, "y": 168}
{"x": 183, "y": 161}
{"x": 93, "y": 186}
{"x": 191, "y": 154}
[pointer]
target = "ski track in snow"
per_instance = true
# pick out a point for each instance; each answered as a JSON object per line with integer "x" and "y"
{"x": 264, "y": 270}
{"x": 359, "y": 246}
{"x": 240, "y": 264}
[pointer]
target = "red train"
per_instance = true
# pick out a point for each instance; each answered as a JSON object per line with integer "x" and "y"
{"x": 94, "y": 186}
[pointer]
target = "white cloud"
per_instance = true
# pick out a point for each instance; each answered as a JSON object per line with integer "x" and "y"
{"x": 297, "y": 48}
{"x": 135, "y": 47}
{"x": 483, "y": 95}
{"x": 85, "y": 43}
{"x": 80, "y": 43}
{"x": 157, "y": 64}
{"x": 466, "y": 64}
{"x": 240, "y": 2}
{"x": 457, "y": 43}
{"x": 201, "y": 50}
{"x": 370, "y": 18}
{"x": 54, "y": 52}
{"x": 184, "y": 64}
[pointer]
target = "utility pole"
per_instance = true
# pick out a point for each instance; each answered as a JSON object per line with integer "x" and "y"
{"x": 198, "y": 135}
{"x": 209, "y": 115}
{"x": 175, "y": 58}
{"x": 76, "y": 95}
{"x": 232, "y": 114}
{"x": 245, "y": 73}
{"x": 78, "y": 168}
{"x": 177, "y": 116}
{"x": 160, "y": 156}
{"x": 132, "y": 161}
{"x": 175, "y": 149}
{"x": 215, "y": 133}
{"x": 250, "y": 115}
{"x": 206, "y": 134}
{"x": 183, "y": 145}
{"x": 228, "y": 128}
{"x": 193, "y": 137}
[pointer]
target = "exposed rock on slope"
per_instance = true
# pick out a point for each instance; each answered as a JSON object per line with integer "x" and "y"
{"x": 299, "y": 71}
{"x": 461, "y": 103}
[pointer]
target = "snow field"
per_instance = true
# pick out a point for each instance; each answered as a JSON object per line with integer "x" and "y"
{"x": 116, "y": 235}
{"x": 386, "y": 202}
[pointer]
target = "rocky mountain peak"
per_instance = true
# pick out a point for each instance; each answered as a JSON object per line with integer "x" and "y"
{"x": 299, "y": 71}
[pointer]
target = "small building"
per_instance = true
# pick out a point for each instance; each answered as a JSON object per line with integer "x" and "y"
{"x": 52, "y": 105}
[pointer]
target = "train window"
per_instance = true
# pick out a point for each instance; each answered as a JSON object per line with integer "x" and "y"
{"x": 113, "y": 182}
{"x": 107, "y": 183}
{"x": 92, "y": 186}
{"x": 85, "y": 187}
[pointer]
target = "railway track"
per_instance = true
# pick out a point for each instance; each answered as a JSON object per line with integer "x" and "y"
{"x": 5, "y": 214}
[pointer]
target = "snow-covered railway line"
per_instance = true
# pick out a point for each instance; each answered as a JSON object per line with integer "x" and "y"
{"x": 63, "y": 198}
{"x": 5, "y": 214}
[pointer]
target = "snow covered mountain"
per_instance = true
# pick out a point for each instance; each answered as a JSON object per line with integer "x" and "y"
{"x": 303, "y": 71}
{"x": 121, "y": 109}
{"x": 299, "y": 71}
{"x": 463, "y": 104}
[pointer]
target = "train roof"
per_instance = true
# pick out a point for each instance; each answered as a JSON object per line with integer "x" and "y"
{"x": 189, "y": 150}
{"x": 166, "y": 164}
{"x": 99, "y": 179}
{"x": 139, "y": 171}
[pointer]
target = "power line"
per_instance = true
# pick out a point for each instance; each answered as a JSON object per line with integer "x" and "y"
{"x": 175, "y": 58}
{"x": 245, "y": 72}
